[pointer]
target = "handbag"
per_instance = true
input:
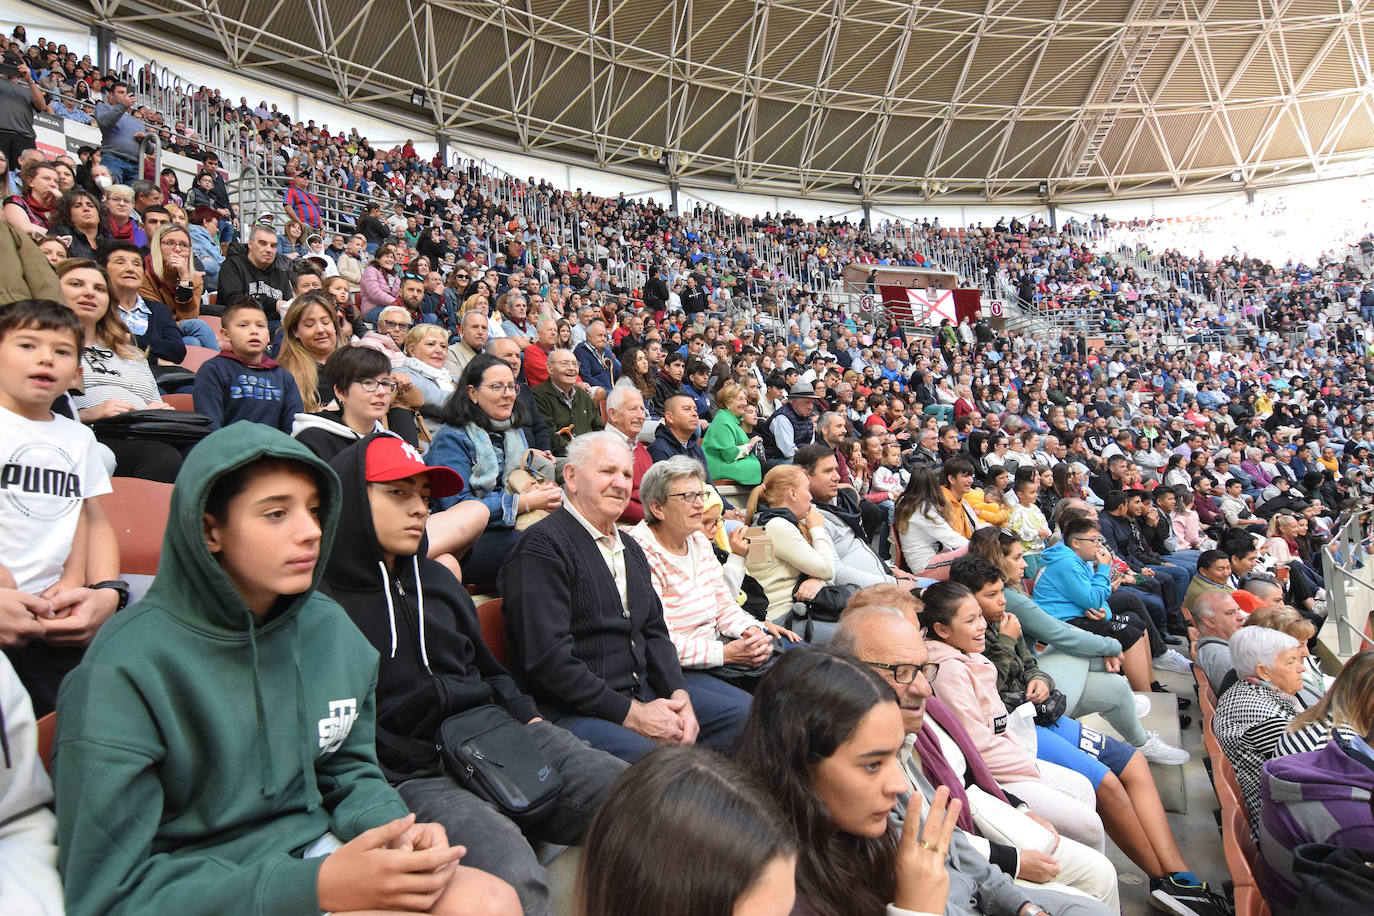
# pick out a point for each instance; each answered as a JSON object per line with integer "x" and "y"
{"x": 829, "y": 602}
{"x": 175, "y": 427}
{"x": 520, "y": 480}
{"x": 1047, "y": 712}
{"x": 170, "y": 378}
{"x": 488, "y": 753}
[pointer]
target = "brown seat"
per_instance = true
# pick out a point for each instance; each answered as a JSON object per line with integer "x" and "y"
{"x": 493, "y": 628}
{"x": 47, "y": 730}
{"x": 197, "y": 357}
{"x": 213, "y": 321}
{"x": 180, "y": 401}
{"x": 138, "y": 510}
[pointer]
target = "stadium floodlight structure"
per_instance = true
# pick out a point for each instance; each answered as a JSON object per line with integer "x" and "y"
{"x": 986, "y": 98}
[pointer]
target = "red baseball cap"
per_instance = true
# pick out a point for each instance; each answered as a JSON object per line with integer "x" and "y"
{"x": 392, "y": 458}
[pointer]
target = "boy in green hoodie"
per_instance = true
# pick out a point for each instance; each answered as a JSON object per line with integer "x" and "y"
{"x": 215, "y": 750}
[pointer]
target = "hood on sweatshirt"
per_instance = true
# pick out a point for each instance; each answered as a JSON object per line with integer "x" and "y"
{"x": 1058, "y": 554}
{"x": 193, "y": 588}
{"x": 359, "y": 563}
{"x": 423, "y": 624}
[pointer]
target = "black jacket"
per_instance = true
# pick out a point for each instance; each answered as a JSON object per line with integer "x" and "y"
{"x": 413, "y": 697}
{"x": 573, "y": 645}
{"x": 656, "y": 294}
{"x": 163, "y": 337}
{"x": 694, "y": 300}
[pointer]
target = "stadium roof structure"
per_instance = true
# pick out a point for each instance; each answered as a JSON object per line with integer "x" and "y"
{"x": 894, "y": 99}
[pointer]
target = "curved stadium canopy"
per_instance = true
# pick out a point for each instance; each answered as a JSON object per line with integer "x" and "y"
{"x": 945, "y": 99}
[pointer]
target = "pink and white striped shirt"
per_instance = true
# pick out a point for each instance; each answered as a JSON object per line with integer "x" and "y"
{"x": 698, "y": 606}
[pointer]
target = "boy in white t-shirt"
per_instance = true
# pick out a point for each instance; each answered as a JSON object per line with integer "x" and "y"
{"x": 58, "y": 555}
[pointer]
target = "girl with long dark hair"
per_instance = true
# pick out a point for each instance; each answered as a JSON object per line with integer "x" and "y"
{"x": 823, "y": 736}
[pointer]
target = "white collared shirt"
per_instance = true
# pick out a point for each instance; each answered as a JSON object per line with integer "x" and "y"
{"x": 612, "y": 551}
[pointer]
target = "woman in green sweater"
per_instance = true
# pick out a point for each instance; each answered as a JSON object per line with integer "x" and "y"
{"x": 729, "y": 449}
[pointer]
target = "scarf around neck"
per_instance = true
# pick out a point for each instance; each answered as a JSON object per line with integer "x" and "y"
{"x": 489, "y": 471}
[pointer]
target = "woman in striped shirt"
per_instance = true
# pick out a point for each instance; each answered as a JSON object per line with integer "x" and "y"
{"x": 710, "y": 631}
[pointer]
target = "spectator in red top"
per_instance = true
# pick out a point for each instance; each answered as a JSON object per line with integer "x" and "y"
{"x": 625, "y": 414}
{"x": 537, "y": 353}
{"x": 301, "y": 203}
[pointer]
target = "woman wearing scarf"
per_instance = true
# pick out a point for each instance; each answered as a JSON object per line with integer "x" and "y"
{"x": 30, "y": 211}
{"x": 483, "y": 440}
{"x": 119, "y": 199}
{"x": 426, "y": 345}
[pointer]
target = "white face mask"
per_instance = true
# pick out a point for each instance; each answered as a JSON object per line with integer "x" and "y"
{"x": 103, "y": 181}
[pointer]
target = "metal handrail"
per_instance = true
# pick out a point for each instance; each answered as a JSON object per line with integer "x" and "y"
{"x": 1338, "y": 557}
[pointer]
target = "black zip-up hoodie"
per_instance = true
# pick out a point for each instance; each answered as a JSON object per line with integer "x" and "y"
{"x": 423, "y": 624}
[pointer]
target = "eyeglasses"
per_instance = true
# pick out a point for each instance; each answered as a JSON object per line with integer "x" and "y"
{"x": 372, "y": 384}
{"x": 905, "y": 674}
{"x": 183, "y": 246}
{"x": 690, "y": 497}
{"x": 396, "y": 324}
{"x": 1099, "y": 541}
{"x": 503, "y": 388}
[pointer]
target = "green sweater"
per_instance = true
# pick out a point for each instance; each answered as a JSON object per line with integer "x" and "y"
{"x": 721, "y": 444}
{"x": 198, "y": 748}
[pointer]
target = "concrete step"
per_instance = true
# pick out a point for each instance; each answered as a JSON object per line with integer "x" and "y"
{"x": 1163, "y": 718}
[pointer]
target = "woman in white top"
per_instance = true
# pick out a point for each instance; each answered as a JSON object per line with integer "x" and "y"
{"x": 919, "y": 518}
{"x": 801, "y": 549}
{"x": 115, "y": 374}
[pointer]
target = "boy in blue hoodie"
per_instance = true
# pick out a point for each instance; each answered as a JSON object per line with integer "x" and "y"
{"x": 215, "y": 750}
{"x": 244, "y": 383}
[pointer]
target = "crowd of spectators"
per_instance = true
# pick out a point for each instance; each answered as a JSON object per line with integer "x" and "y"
{"x": 677, "y": 499}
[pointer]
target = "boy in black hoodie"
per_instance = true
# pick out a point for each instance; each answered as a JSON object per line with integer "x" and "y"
{"x": 434, "y": 665}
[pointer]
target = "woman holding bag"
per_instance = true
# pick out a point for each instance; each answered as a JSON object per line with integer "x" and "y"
{"x": 483, "y": 440}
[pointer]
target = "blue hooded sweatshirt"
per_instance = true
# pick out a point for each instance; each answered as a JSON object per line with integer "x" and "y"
{"x": 1068, "y": 585}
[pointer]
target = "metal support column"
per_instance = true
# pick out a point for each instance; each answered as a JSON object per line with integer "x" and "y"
{"x": 104, "y": 35}
{"x": 441, "y": 138}
{"x": 673, "y": 189}
{"x": 868, "y": 214}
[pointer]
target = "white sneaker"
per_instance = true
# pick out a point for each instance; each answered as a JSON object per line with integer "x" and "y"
{"x": 1156, "y": 751}
{"x": 1172, "y": 661}
{"x": 1142, "y": 705}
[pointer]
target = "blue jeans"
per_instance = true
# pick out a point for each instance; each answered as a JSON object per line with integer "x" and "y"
{"x": 720, "y": 710}
{"x": 1186, "y": 560}
{"x": 197, "y": 333}
{"x": 1180, "y": 577}
{"x": 944, "y": 411}
{"x": 121, "y": 170}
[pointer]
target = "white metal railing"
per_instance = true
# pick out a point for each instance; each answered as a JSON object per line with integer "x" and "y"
{"x": 1346, "y": 559}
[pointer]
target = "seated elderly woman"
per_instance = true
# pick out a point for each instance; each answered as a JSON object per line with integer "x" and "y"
{"x": 393, "y": 324}
{"x": 1320, "y": 794}
{"x": 729, "y": 449}
{"x": 1251, "y": 717}
{"x": 710, "y": 631}
{"x": 1288, "y": 620}
{"x": 426, "y": 346}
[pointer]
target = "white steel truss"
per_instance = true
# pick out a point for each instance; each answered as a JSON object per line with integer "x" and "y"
{"x": 979, "y": 99}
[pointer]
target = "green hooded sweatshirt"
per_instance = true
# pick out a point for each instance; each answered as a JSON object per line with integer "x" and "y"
{"x": 200, "y": 749}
